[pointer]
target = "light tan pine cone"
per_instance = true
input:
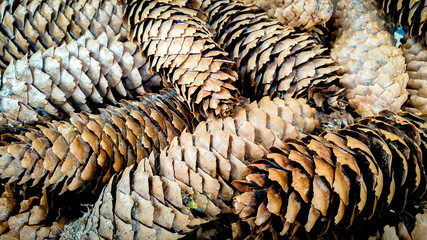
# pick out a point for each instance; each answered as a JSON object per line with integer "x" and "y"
{"x": 410, "y": 15}
{"x": 337, "y": 179}
{"x": 415, "y": 53}
{"x": 297, "y": 13}
{"x": 80, "y": 76}
{"x": 273, "y": 59}
{"x": 138, "y": 204}
{"x": 29, "y": 26}
{"x": 374, "y": 68}
{"x": 196, "y": 171}
{"x": 180, "y": 48}
{"x": 79, "y": 157}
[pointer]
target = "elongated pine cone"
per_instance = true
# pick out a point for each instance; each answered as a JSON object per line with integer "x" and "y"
{"x": 410, "y": 15}
{"x": 80, "y": 76}
{"x": 180, "y": 48}
{"x": 374, "y": 68}
{"x": 29, "y": 26}
{"x": 272, "y": 59}
{"x": 297, "y": 13}
{"x": 337, "y": 179}
{"x": 415, "y": 53}
{"x": 193, "y": 175}
{"x": 80, "y": 156}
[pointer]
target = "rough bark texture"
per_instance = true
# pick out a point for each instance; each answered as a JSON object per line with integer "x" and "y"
{"x": 82, "y": 155}
{"x": 374, "y": 68}
{"x": 179, "y": 47}
{"x": 410, "y": 15}
{"x": 80, "y": 76}
{"x": 29, "y": 26}
{"x": 337, "y": 179}
{"x": 297, "y": 13}
{"x": 415, "y": 52}
{"x": 191, "y": 181}
{"x": 273, "y": 59}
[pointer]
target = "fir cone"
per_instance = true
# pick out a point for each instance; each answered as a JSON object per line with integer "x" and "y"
{"x": 401, "y": 231}
{"x": 297, "y": 13}
{"x": 272, "y": 59}
{"x": 29, "y": 26}
{"x": 75, "y": 152}
{"x": 410, "y": 15}
{"x": 138, "y": 204}
{"x": 181, "y": 49}
{"x": 79, "y": 157}
{"x": 415, "y": 53}
{"x": 374, "y": 69}
{"x": 195, "y": 172}
{"x": 337, "y": 179}
{"x": 28, "y": 220}
{"x": 80, "y": 76}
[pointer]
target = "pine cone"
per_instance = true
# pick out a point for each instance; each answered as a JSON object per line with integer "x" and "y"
{"x": 79, "y": 76}
{"x": 29, "y": 26}
{"x": 140, "y": 205}
{"x": 196, "y": 170}
{"x": 374, "y": 69}
{"x": 180, "y": 48}
{"x": 400, "y": 231}
{"x": 337, "y": 179}
{"x": 30, "y": 213}
{"x": 297, "y": 13}
{"x": 75, "y": 152}
{"x": 272, "y": 59}
{"x": 415, "y": 53}
{"x": 410, "y": 15}
{"x": 81, "y": 156}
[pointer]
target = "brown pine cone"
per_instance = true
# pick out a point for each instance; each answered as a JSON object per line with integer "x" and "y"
{"x": 181, "y": 49}
{"x": 29, "y": 26}
{"x": 81, "y": 156}
{"x": 337, "y": 179}
{"x": 196, "y": 169}
{"x": 415, "y": 53}
{"x": 93, "y": 146}
{"x": 272, "y": 59}
{"x": 297, "y": 13}
{"x": 374, "y": 68}
{"x": 410, "y": 15}
{"x": 80, "y": 76}
{"x": 400, "y": 231}
{"x": 28, "y": 220}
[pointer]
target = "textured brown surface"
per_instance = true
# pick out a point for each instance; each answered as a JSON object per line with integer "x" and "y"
{"x": 272, "y": 59}
{"x": 28, "y": 222}
{"x": 197, "y": 168}
{"x": 180, "y": 48}
{"x": 80, "y": 76}
{"x": 84, "y": 153}
{"x": 401, "y": 232}
{"x": 374, "y": 68}
{"x": 297, "y": 13}
{"x": 337, "y": 179}
{"x": 415, "y": 53}
{"x": 410, "y": 15}
{"x": 30, "y": 26}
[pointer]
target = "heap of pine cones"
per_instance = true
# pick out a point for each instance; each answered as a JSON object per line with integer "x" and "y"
{"x": 216, "y": 119}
